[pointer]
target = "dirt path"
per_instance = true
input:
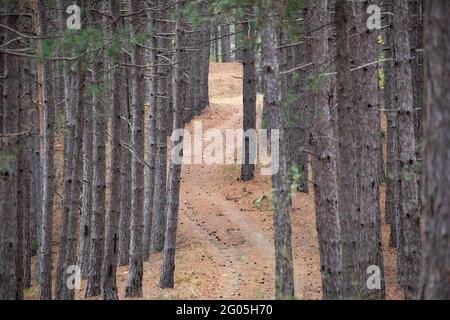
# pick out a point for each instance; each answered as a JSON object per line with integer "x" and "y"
{"x": 225, "y": 241}
{"x": 231, "y": 220}
{"x": 222, "y": 208}
{"x": 225, "y": 238}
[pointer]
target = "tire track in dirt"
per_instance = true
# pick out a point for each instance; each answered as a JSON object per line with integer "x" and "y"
{"x": 244, "y": 253}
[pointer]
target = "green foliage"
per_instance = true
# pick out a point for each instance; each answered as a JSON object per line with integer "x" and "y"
{"x": 6, "y": 159}
{"x": 35, "y": 245}
{"x": 46, "y": 50}
{"x": 262, "y": 203}
{"x": 190, "y": 12}
{"x": 78, "y": 42}
{"x": 295, "y": 175}
{"x": 315, "y": 81}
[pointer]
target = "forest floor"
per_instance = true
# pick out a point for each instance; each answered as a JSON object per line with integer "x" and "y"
{"x": 225, "y": 236}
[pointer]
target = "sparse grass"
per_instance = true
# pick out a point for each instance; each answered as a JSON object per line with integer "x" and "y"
{"x": 30, "y": 293}
{"x": 263, "y": 203}
{"x": 166, "y": 297}
{"x": 231, "y": 171}
{"x": 184, "y": 278}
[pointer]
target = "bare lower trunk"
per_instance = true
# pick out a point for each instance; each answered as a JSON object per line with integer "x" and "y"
{"x": 151, "y": 150}
{"x": 163, "y": 105}
{"x": 324, "y": 158}
{"x": 436, "y": 179}
{"x": 225, "y": 41}
{"x": 205, "y": 57}
{"x": 249, "y": 102}
{"x": 408, "y": 219}
{"x": 284, "y": 278}
{"x": 109, "y": 265}
{"x": 72, "y": 223}
{"x": 86, "y": 206}
{"x": 367, "y": 156}
{"x": 345, "y": 20}
{"x": 173, "y": 188}
{"x": 10, "y": 149}
{"x": 125, "y": 169}
{"x": 391, "y": 204}
{"x": 45, "y": 254}
{"x": 134, "y": 282}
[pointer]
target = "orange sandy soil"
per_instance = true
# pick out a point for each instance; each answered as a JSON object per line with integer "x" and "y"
{"x": 225, "y": 237}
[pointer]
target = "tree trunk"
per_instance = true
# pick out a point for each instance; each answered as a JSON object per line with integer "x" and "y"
{"x": 300, "y": 115}
{"x": 9, "y": 146}
{"x": 173, "y": 188}
{"x": 249, "y": 102}
{"x": 69, "y": 136}
{"x": 324, "y": 159}
{"x": 86, "y": 206}
{"x": 391, "y": 203}
{"x": 125, "y": 169}
{"x": 206, "y": 38}
{"x": 225, "y": 46}
{"x": 238, "y": 42}
{"x": 72, "y": 223}
{"x": 25, "y": 185}
{"x": 345, "y": 24}
{"x": 436, "y": 180}
{"x": 408, "y": 219}
{"x": 151, "y": 147}
{"x": 109, "y": 265}
{"x": 367, "y": 155}
{"x": 45, "y": 253}
{"x": 163, "y": 106}
{"x": 416, "y": 45}
{"x": 134, "y": 282}
{"x": 34, "y": 154}
{"x": 284, "y": 278}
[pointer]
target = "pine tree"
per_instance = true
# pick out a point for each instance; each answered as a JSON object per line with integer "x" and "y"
{"x": 436, "y": 180}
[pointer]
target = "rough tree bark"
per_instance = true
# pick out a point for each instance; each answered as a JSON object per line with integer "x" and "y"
{"x": 415, "y": 8}
{"x": 86, "y": 205}
{"x": 196, "y": 38}
{"x": 225, "y": 46}
{"x": 125, "y": 169}
{"x": 300, "y": 114}
{"x": 345, "y": 22}
{"x": 408, "y": 219}
{"x": 249, "y": 103}
{"x": 391, "y": 203}
{"x": 109, "y": 265}
{"x": 174, "y": 177}
{"x": 67, "y": 293}
{"x": 163, "y": 107}
{"x": 10, "y": 149}
{"x": 436, "y": 179}
{"x": 205, "y": 56}
{"x": 45, "y": 253}
{"x": 324, "y": 158}
{"x": 284, "y": 278}
{"x": 134, "y": 282}
{"x": 151, "y": 146}
{"x": 368, "y": 149}
{"x": 27, "y": 108}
